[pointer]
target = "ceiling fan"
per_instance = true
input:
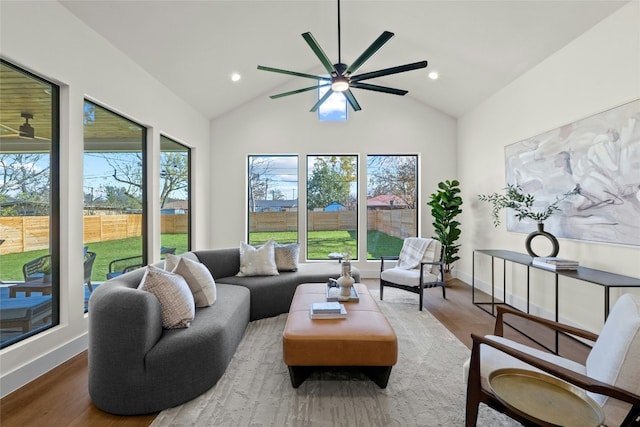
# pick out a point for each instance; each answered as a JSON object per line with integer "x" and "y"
{"x": 341, "y": 76}
{"x": 25, "y": 131}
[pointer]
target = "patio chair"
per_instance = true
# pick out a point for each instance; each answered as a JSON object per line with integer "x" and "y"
{"x": 89, "y": 259}
{"x": 124, "y": 265}
{"x": 420, "y": 265}
{"x": 121, "y": 266}
{"x": 37, "y": 268}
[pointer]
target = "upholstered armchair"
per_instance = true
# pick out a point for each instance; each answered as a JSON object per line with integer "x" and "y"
{"x": 610, "y": 376}
{"x": 419, "y": 266}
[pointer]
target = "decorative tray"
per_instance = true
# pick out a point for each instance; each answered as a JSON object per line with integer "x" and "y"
{"x": 544, "y": 399}
{"x": 333, "y": 292}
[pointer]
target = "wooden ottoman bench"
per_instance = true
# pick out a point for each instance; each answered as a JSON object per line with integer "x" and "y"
{"x": 363, "y": 339}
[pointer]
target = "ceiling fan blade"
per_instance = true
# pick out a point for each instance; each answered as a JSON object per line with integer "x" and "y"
{"x": 313, "y": 44}
{"x": 352, "y": 100}
{"x": 368, "y": 53}
{"x": 293, "y": 73}
{"x": 387, "y": 71}
{"x": 293, "y": 92}
{"x": 377, "y": 88}
{"x": 321, "y": 101}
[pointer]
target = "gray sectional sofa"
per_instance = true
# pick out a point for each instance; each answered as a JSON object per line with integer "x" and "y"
{"x": 137, "y": 367}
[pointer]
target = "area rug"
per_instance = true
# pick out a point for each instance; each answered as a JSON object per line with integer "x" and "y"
{"x": 425, "y": 388}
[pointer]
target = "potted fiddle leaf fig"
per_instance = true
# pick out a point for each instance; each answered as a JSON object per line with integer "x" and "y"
{"x": 445, "y": 207}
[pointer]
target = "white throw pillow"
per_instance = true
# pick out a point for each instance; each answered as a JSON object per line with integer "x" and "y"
{"x": 198, "y": 277}
{"x": 287, "y": 256}
{"x": 257, "y": 261}
{"x": 176, "y": 301}
{"x": 172, "y": 260}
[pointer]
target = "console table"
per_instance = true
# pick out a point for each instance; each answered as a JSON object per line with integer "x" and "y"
{"x": 602, "y": 278}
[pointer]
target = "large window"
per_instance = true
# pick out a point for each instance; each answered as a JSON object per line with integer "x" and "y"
{"x": 332, "y": 206}
{"x": 392, "y": 205}
{"x": 175, "y": 211}
{"x": 272, "y": 199}
{"x": 29, "y": 204}
{"x": 114, "y": 195}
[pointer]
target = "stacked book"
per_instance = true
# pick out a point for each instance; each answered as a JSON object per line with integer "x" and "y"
{"x": 327, "y": 310}
{"x": 555, "y": 263}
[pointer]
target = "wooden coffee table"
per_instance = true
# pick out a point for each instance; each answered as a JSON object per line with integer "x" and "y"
{"x": 364, "y": 339}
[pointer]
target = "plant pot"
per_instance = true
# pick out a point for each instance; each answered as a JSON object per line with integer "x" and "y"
{"x": 448, "y": 276}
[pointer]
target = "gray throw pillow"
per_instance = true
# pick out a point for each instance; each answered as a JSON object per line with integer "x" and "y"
{"x": 287, "y": 256}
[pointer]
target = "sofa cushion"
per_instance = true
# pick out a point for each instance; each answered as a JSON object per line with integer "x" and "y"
{"x": 198, "y": 277}
{"x": 257, "y": 261}
{"x": 287, "y": 256}
{"x": 176, "y": 301}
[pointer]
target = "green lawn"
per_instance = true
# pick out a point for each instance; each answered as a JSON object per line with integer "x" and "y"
{"x": 321, "y": 243}
{"x": 107, "y": 251}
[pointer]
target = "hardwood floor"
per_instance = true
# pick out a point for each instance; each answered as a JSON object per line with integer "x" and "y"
{"x": 61, "y": 396}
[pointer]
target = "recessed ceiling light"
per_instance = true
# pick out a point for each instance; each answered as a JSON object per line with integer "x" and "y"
{"x": 433, "y": 75}
{"x": 235, "y": 77}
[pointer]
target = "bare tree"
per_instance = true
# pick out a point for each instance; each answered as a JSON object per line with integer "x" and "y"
{"x": 396, "y": 175}
{"x": 127, "y": 170}
{"x": 174, "y": 173}
{"x": 23, "y": 178}
{"x": 259, "y": 172}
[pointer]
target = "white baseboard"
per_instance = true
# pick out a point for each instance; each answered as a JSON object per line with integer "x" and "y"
{"x": 23, "y": 375}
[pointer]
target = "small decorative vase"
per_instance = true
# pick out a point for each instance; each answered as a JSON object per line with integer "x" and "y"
{"x": 541, "y": 232}
{"x": 345, "y": 281}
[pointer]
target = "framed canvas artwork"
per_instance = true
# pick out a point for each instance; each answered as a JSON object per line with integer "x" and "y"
{"x": 598, "y": 156}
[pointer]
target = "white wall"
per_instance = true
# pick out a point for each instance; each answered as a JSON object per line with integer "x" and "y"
{"x": 387, "y": 124}
{"x": 597, "y": 71}
{"x": 44, "y": 38}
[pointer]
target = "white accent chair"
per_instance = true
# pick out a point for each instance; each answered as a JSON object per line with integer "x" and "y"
{"x": 611, "y": 375}
{"x": 420, "y": 265}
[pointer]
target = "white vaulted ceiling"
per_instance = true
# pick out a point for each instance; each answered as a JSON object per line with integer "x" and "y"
{"x": 477, "y": 47}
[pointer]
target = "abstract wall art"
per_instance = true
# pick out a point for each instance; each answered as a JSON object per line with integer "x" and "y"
{"x": 599, "y": 156}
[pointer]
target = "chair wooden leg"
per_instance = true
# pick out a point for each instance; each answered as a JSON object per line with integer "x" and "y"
{"x": 474, "y": 387}
{"x": 381, "y": 289}
{"x": 471, "y": 415}
{"x": 89, "y": 286}
{"x": 444, "y": 294}
{"x": 421, "y": 297}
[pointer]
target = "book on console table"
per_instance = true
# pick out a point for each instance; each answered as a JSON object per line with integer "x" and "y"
{"x": 327, "y": 310}
{"x": 555, "y": 263}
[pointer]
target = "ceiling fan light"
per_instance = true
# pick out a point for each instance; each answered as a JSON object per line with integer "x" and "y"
{"x": 340, "y": 84}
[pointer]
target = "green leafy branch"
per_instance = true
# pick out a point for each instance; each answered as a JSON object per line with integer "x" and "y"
{"x": 522, "y": 203}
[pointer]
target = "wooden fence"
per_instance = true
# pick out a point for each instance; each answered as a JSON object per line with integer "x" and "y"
{"x": 399, "y": 223}
{"x": 29, "y": 233}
